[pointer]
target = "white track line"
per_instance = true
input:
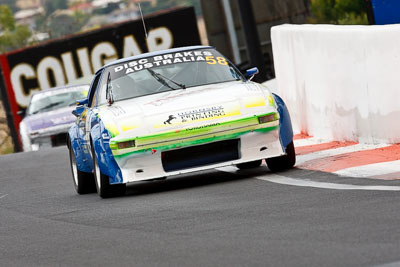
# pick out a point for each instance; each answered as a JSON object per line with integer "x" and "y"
{"x": 278, "y": 179}
{"x": 371, "y": 169}
{"x": 335, "y": 151}
{"x": 308, "y": 142}
{"x": 230, "y": 169}
{"x": 307, "y": 183}
{"x": 3, "y": 195}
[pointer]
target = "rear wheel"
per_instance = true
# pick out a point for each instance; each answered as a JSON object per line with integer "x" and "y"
{"x": 283, "y": 162}
{"x": 103, "y": 186}
{"x": 249, "y": 165}
{"x": 83, "y": 181}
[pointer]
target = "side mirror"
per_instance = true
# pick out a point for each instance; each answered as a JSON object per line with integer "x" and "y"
{"x": 82, "y": 102}
{"x": 78, "y": 111}
{"x": 80, "y": 107}
{"x": 252, "y": 72}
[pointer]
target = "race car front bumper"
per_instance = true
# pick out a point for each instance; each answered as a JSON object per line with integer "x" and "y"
{"x": 49, "y": 137}
{"x": 153, "y": 163}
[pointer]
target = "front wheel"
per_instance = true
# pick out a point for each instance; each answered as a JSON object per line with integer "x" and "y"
{"x": 283, "y": 162}
{"x": 83, "y": 181}
{"x": 104, "y": 188}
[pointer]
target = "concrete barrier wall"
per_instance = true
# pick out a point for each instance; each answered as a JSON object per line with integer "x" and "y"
{"x": 340, "y": 82}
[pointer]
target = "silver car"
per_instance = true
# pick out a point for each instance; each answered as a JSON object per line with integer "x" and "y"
{"x": 48, "y": 116}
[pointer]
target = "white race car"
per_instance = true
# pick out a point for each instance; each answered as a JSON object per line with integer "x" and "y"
{"x": 48, "y": 116}
{"x": 171, "y": 112}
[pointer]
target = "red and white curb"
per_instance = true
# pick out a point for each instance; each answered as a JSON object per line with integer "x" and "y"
{"x": 350, "y": 159}
{"x": 347, "y": 159}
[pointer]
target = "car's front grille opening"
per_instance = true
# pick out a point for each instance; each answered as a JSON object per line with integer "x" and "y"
{"x": 201, "y": 155}
{"x": 59, "y": 139}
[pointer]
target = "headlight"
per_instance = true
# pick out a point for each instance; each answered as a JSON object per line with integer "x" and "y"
{"x": 126, "y": 144}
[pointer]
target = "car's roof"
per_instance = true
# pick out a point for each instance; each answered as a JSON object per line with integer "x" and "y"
{"x": 157, "y": 53}
{"x": 55, "y": 89}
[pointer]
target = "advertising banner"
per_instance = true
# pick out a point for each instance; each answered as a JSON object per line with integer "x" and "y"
{"x": 62, "y": 61}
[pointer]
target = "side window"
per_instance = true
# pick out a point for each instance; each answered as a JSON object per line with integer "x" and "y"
{"x": 101, "y": 96}
{"x": 93, "y": 89}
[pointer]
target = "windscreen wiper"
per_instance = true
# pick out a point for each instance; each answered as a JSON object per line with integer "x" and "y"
{"x": 160, "y": 78}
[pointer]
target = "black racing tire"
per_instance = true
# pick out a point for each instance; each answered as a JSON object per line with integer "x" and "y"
{"x": 283, "y": 162}
{"x": 249, "y": 165}
{"x": 103, "y": 186}
{"x": 83, "y": 181}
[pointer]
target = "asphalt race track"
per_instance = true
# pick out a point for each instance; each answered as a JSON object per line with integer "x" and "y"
{"x": 213, "y": 218}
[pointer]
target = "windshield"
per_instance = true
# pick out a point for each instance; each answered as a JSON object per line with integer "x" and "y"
{"x": 55, "y": 99}
{"x": 168, "y": 72}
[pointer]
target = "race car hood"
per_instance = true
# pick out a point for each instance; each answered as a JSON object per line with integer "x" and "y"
{"x": 186, "y": 108}
{"x": 48, "y": 120}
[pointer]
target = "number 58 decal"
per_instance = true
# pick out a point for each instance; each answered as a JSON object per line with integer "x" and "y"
{"x": 212, "y": 61}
